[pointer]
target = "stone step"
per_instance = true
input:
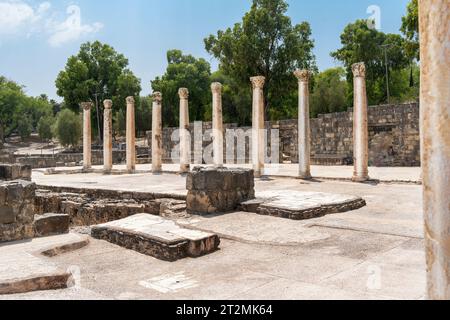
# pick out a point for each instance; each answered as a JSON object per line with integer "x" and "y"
{"x": 298, "y": 205}
{"x": 157, "y": 237}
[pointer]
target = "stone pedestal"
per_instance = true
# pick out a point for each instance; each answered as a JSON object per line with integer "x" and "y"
{"x": 360, "y": 125}
{"x": 185, "y": 141}
{"x": 157, "y": 141}
{"x": 258, "y": 148}
{"x": 131, "y": 136}
{"x": 218, "y": 190}
{"x": 216, "y": 89}
{"x": 87, "y": 135}
{"x": 107, "y": 137}
{"x": 304, "y": 131}
{"x": 16, "y": 210}
{"x": 435, "y": 141}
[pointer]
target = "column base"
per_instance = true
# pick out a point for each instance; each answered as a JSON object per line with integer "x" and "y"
{"x": 107, "y": 171}
{"x": 304, "y": 176}
{"x": 360, "y": 178}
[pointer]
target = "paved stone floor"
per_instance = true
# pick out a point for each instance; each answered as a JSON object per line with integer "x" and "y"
{"x": 375, "y": 252}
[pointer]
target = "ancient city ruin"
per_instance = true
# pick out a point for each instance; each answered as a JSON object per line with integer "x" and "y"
{"x": 306, "y": 208}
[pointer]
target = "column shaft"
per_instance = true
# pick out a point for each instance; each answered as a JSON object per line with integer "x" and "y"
{"x": 157, "y": 142}
{"x": 360, "y": 125}
{"x": 258, "y": 140}
{"x": 304, "y": 131}
{"x": 131, "y": 135}
{"x": 216, "y": 89}
{"x": 435, "y": 141}
{"x": 87, "y": 135}
{"x": 185, "y": 141}
{"x": 107, "y": 137}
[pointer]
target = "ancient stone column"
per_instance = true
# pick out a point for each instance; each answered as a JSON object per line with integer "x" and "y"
{"x": 87, "y": 135}
{"x": 131, "y": 136}
{"x": 185, "y": 141}
{"x": 157, "y": 140}
{"x": 434, "y": 21}
{"x": 107, "y": 137}
{"x": 360, "y": 125}
{"x": 304, "y": 131}
{"x": 258, "y": 125}
{"x": 216, "y": 89}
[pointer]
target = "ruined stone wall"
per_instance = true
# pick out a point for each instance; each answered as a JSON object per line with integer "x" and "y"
{"x": 394, "y": 137}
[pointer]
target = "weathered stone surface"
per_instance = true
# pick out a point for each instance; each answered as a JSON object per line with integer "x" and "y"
{"x": 51, "y": 224}
{"x": 156, "y": 237}
{"x": 16, "y": 210}
{"x": 214, "y": 190}
{"x": 297, "y": 205}
{"x": 15, "y": 172}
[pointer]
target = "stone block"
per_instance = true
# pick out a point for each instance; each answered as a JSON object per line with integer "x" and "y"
{"x": 218, "y": 190}
{"x": 51, "y": 224}
{"x": 15, "y": 172}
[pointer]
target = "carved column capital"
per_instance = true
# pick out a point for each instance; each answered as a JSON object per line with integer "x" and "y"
{"x": 108, "y": 104}
{"x": 157, "y": 97}
{"x": 183, "y": 93}
{"x": 302, "y": 75}
{"x": 359, "y": 70}
{"x": 258, "y": 82}
{"x": 130, "y": 100}
{"x": 86, "y": 105}
{"x": 216, "y": 87}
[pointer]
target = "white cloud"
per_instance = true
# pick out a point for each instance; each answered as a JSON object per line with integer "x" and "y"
{"x": 19, "y": 18}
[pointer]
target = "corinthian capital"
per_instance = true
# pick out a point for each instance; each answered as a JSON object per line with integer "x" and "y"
{"x": 157, "y": 97}
{"x": 216, "y": 87}
{"x": 130, "y": 100}
{"x": 183, "y": 93}
{"x": 107, "y": 104}
{"x": 302, "y": 75}
{"x": 258, "y": 82}
{"x": 86, "y": 105}
{"x": 359, "y": 70}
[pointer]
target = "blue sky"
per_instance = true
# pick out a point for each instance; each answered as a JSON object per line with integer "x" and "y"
{"x": 37, "y": 37}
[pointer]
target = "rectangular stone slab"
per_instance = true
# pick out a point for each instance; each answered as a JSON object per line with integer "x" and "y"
{"x": 157, "y": 237}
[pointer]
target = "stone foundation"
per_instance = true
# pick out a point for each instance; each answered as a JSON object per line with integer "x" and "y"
{"x": 16, "y": 210}
{"x": 220, "y": 190}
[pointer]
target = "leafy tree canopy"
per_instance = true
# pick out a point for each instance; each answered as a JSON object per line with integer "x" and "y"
{"x": 410, "y": 28}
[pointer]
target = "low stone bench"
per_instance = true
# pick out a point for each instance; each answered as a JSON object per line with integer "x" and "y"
{"x": 157, "y": 237}
{"x": 218, "y": 190}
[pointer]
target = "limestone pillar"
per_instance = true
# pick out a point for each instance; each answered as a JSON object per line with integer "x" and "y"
{"x": 107, "y": 137}
{"x": 185, "y": 141}
{"x": 87, "y": 135}
{"x": 216, "y": 89}
{"x": 360, "y": 125}
{"x": 258, "y": 125}
{"x": 131, "y": 136}
{"x": 434, "y": 21}
{"x": 304, "y": 131}
{"x": 157, "y": 141}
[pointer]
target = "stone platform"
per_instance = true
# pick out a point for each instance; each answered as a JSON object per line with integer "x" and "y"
{"x": 157, "y": 237}
{"x": 298, "y": 205}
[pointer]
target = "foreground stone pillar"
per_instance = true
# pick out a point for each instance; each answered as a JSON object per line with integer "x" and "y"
{"x": 435, "y": 142}
{"x": 107, "y": 137}
{"x": 258, "y": 125}
{"x": 157, "y": 140}
{"x": 131, "y": 136}
{"x": 304, "y": 131}
{"x": 87, "y": 135}
{"x": 216, "y": 89}
{"x": 185, "y": 141}
{"x": 360, "y": 125}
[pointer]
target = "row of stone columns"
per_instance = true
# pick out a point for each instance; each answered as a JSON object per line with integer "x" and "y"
{"x": 360, "y": 129}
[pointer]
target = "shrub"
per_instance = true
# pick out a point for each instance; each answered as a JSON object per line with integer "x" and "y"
{"x": 68, "y": 128}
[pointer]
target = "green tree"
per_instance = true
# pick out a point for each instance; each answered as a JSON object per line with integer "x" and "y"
{"x": 410, "y": 29}
{"x": 25, "y": 126}
{"x": 44, "y": 127}
{"x": 97, "y": 73}
{"x": 363, "y": 44}
{"x": 68, "y": 128}
{"x": 265, "y": 43}
{"x": 11, "y": 98}
{"x": 330, "y": 92}
{"x": 188, "y": 72}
